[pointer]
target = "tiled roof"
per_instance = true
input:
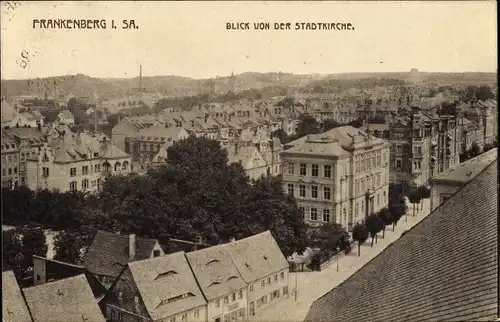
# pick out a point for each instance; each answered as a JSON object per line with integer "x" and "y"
{"x": 215, "y": 271}
{"x": 167, "y": 285}
{"x": 26, "y": 133}
{"x": 257, "y": 256}
{"x": 466, "y": 171}
{"x": 14, "y": 307}
{"x": 444, "y": 269}
{"x": 318, "y": 144}
{"x": 109, "y": 253}
{"x": 69, "y": 299}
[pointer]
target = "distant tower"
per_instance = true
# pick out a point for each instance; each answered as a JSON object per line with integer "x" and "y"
{"x": 232, "y": 82}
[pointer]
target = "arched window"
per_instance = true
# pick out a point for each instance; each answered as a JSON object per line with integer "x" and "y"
{"x": 125, "y": 165}
{"x": 106, "y": 167}
{"x": 117, "y": 166}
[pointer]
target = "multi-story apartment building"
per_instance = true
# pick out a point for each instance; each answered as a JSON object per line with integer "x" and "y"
{"x": 422, "y": 145}
{"x": 10, "y": 162}
{"x": 75, "y": 163}
{"x": 158, "y": 289}
{"x": 29, "y": 140}
{"x": 151, "y": 143}
{"x": 259, "y": 155}
{"x": 485, "y": 115}
{"x": 263, "y": 267}
{"x": 340, "y": 176}
{"x": 222, "y": 284}
{"x": 469, "y": 133}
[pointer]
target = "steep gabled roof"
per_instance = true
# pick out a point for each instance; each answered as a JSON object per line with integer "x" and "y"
{"x": 70, "y": 299}
{"x": 14, "y": 308}
{"x": 167, "y": 285}
{"x": 215, "y": 271}
{"x": 257, "y": 256}
{"x": 444, "y": 269}
{"x": 109, "y": 253}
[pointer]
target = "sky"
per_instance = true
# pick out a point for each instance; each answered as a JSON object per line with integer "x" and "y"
{"x": 190, "y": 38}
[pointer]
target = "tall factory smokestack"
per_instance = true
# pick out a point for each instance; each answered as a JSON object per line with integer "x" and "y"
{"x": 140, "y": 79}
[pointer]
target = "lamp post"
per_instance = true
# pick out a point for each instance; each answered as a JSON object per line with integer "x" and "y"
{"x": 296, "y": 288}
{"x": 338, "y": 253}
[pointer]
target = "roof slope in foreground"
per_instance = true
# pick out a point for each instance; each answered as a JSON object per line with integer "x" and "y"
{"x": 444, "y": 269}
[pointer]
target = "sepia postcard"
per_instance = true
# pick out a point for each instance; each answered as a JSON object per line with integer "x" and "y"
{"x": 224, "y": 161}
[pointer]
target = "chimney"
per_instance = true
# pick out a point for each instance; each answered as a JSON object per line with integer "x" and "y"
{"x": 131, "y": 247}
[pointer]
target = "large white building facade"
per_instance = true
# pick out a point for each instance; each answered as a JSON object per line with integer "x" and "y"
{"x": 340, "y": 176}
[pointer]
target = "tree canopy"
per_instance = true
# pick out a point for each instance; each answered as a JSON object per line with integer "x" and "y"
{"x": 196, "y": 195}
{"x": 360, "y": 234}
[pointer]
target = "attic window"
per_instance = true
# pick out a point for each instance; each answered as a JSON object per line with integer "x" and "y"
{"x": 247, "y": 264}
{"x": 265, "y": 257}
{"x": 214, "y": 283}
{"x": 169, "y": 273}
{"x": 230, "y": 278}
{"x": 59, "y": 292}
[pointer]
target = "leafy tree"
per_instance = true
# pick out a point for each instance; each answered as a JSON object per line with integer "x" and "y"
{"x": 34, "y": 239}
{"x": 185, "y": 153}
{"x": 307, "y": 125}
{"x": 385, "y": 217}
{"x": 397, "y": 208}
{"x": 282, "y": 136}
{"x": 70, "y": 245}
{"x": 360, "y": 234}
{"x": 414, "y": 198}
{"x": 474, "y": 150}
{"x": 424, "y": 192}
{"x": 268, "y": 207}
{"x": 374, "y": 225}
{"x": 329, "y": 124}
{"x": 18, "y": 247}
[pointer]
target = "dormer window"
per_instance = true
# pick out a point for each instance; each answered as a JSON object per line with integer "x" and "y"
{"x": 212, "y": 261}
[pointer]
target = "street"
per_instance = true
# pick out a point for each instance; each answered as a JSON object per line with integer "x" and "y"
{"x": 312, "y": 285}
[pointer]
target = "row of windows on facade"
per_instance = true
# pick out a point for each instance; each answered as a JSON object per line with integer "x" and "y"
{"x": 251, "y": 289}
{"x": 184, "y": 317}
{"x": 368, "y": 163}
{"x": 416, "y": 149}
{"x": 97, "y": 168}
{"x": 13, "y": 158}
{"x": 416, "y": 164}
{"x": 272, "y": 296}
{"x": 9, "y": 171}
{"x": 73, "y": 185}
{"x": 327, "y": 170}
{"x": 313, "y": 213}
{"x": 360, "y": 186}
{"x": 361, "y": 166}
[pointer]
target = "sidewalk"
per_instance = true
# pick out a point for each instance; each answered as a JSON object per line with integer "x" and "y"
{"x": 312, "y": 285}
